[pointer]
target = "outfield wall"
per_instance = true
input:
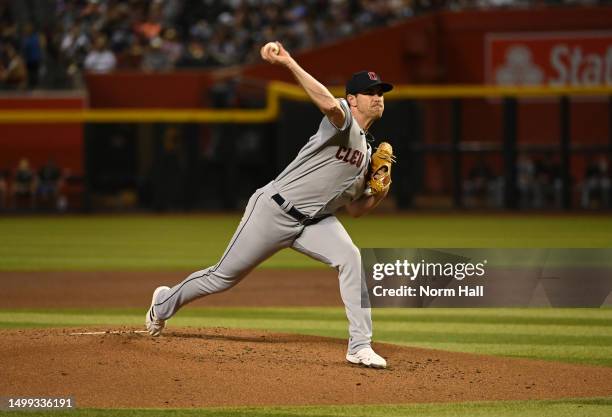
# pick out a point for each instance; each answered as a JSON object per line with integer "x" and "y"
{"x": 39, "y": 142}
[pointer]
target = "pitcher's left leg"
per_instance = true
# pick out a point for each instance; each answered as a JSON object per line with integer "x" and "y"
{"x": 328, "y": 242}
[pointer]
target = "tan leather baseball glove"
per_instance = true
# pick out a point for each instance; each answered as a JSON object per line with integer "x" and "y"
{"x": 380, "y": 168}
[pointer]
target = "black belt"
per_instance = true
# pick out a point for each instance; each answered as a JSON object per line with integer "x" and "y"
{"x": 295, "y": 213}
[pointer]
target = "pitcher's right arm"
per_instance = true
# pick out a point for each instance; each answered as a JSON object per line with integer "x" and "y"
{"x": 317, "y": 92}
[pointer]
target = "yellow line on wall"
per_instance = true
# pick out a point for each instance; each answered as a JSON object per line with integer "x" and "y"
{"x": 275, "y": 92}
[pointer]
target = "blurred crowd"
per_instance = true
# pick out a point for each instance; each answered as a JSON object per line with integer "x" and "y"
{"x": 49, "y": 43}
{"x": 539, "y": 184}
{"x": 54, "y": 46}
{"x": 47, "y": 188}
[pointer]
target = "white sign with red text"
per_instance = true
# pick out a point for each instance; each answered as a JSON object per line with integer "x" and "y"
{"x": 549, "y": 58}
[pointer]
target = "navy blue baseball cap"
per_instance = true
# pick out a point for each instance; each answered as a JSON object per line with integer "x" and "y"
{"x": 362, "y": 80}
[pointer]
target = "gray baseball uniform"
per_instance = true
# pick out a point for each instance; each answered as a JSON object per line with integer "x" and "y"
{"x": 296, "y": 210}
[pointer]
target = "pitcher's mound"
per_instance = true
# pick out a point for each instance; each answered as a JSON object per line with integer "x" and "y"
{"x": 216, "y": 367}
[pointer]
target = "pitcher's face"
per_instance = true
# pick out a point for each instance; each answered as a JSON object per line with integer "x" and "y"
{"x": 370, "y": 103}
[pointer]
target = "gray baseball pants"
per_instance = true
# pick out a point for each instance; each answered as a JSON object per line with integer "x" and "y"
{"x": 264, "y": 230}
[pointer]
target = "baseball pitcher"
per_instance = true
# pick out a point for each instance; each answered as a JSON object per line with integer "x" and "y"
{"x": 334, "y": 169}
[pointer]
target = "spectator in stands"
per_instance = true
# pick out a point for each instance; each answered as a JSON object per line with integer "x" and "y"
{"x": 201, "y": 30}
{"x": 301, "y": 32}
{"x": 373, "y": 13}
{"x": 13, "y": 71}
{"x": 92, "y": 11}
{"x": 24, "y": 184}
{"x": 49, "y": 183}
{"x": 401, "y": 9}
{"x": 75, "y": 43}
{"x": 525, "y": 180}
{"x": 196, "y": 56}
{"x": 119, "y": 28}
{"x": 556, "y": 183}
{"x": 547, "y": 184}
{"x": 74, "y": 47}
{"x": 171, "y": 10}
{"x": 9, "y": 31}
{"x": 32, "y": 46}
{"x": 151, "y": 27}
{"x": 171, "y": 45}
{"x": 597, "y": 183}
{"x": 100, "y": 59}
{"x": 482, "y": 187}
{"x": 223, "y": 47}
{"x": 155, "y": 59}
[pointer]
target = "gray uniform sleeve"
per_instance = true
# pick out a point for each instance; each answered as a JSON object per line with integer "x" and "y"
{"x": 327, "y": 130}
{"x": 348, "y": 117}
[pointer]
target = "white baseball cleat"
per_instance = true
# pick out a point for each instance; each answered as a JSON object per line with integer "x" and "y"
{"x": 367, "y": 357}
{"x": 153, "y": 324}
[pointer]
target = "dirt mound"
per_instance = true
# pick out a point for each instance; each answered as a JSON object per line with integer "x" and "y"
{"x": 263, "y": 287}
{"x": 216, "y": 367}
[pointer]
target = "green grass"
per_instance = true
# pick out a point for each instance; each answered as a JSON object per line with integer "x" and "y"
{"x": 568, "y": 335}
{"x": 594, "y": 407}
{"x": 192, "y": 242}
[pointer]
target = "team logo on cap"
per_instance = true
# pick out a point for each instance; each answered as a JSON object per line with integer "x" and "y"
{"x": 373, "y": 76}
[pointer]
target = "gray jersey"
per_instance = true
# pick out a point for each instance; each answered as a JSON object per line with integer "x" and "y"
{"x": 330, "y": 170}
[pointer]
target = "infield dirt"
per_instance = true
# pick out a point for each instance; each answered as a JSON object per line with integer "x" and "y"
{"x": 263, "y": 287}
{"x": 217, "y": 367}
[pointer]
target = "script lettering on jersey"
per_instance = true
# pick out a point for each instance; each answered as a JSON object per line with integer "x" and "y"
{"x": 350, "y": 156}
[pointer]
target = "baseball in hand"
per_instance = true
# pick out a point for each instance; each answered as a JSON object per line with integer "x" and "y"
{"x": 273, "y": 47}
